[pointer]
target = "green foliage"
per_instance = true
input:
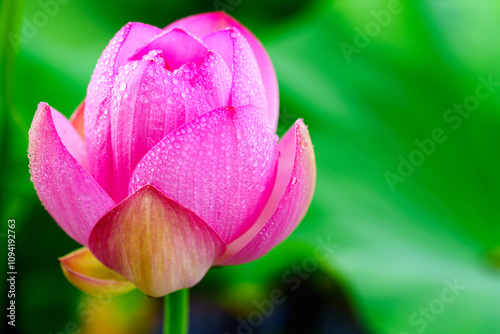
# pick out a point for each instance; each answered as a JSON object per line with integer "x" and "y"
{"x": 411, "y": 210}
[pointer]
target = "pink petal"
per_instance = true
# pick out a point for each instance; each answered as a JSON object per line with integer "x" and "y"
{"x": 66, "y": 189}
{"x": 221, "y": 166}
{"x": 247, "y": 87}
{"x": 97, "y": 102}
{"x": 156, "y": 243}
{"x": 89, "y": 275}
{"x": 288, "y": 203}
{"x": 204, "y": 24}
{"x": 178, "y": 48}
{"x": 222, "y": 43}
{"x": 141, "y": 115}
{"x": 213, "y": 80}
{"x": 77, "y": 119}
{"x": 70, "y": 137}
{"x": 205, "y": 87}
{"x": 149, "y": 102}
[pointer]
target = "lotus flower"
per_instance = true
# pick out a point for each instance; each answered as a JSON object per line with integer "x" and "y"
{"x": 172, "y": 165}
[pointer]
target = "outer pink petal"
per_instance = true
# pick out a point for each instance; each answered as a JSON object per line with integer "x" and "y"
{"x": 204, "y": 24}
{"x": 156, "y": 243}
{"x": 221, "y": 166}
{"x": 247, "y": 86}
{"x": 289, "y": 200}
{"x": 178, "y": 48}
{"x": 97, "y": 102}
{"x": 68, "y": 192}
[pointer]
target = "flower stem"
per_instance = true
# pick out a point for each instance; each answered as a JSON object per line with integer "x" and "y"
{"x": 176, "y": 312}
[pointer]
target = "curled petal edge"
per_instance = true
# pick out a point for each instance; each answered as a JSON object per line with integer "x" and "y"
{"x": 289, "y": 201}
{"x": 89, "y": 275}
{"x": 65, "y": 188}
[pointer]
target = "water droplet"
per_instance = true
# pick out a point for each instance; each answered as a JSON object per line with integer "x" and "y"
{"x": 294, "y": 180}
{"x": 123, "y": 86}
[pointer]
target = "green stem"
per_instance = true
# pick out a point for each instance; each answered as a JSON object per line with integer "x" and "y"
{"x": 176, "y": 312}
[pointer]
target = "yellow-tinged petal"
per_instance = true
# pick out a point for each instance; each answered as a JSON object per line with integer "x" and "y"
{"x": 156, "y": 243}
{"x": 86, "y": 273}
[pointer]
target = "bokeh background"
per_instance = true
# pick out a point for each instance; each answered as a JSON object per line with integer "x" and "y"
{"x": 414, "y": 230}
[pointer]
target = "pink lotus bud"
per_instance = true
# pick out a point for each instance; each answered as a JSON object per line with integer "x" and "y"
{"x": 172, "y": 163}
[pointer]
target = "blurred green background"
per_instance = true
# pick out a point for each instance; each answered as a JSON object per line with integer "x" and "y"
{"x": 406, "y": 131}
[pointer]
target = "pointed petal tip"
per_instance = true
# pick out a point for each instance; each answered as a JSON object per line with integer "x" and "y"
{"x": 304, "y": 138}
{"x": 42, "y": 105}
{"x": 63, "y": 185}
{"x": 289, "y": 201}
